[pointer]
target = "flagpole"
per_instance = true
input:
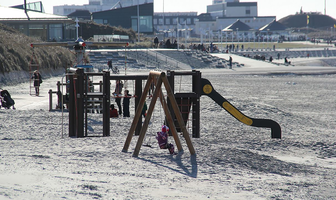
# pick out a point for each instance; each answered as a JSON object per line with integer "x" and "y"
{"x": 307, "y": 27}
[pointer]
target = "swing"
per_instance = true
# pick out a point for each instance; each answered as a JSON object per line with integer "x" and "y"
{"x": 148, "y": 143}
{"x": 161, "y": 80}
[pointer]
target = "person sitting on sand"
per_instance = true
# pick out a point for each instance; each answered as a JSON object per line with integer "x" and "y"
{"x": 113, "y": 112}
{"x": 286, "y": 61}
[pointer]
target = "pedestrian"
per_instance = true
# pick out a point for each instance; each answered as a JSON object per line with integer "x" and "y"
{"x": 109, "y": 63}
{"x": 230, "y": 62}
{"x": 113, "y": 111}
{"x": 156, "y": 42}
{"x": 117, "y": 94}
{"x": 126, "y": 103}
{"x": 90, "y": 85}
{"x": 37, "y": 81}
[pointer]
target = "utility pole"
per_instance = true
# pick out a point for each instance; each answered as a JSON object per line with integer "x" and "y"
{"x": 138, "y": 9}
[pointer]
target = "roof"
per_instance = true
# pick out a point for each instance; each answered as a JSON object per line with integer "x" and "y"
{"x": 273, "y": 26}
{"x": 15, "y": 14}
{"x": 84, "y": 14}
{"x": 240, "y": 4}
{"x": 241, "y": 26}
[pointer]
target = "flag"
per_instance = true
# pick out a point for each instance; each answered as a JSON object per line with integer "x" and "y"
{"x": 307, "y": 19}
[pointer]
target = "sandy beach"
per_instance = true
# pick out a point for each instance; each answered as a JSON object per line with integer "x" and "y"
{"x": 232, "y": 161}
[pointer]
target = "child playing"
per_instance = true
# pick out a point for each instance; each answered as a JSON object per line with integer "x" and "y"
{"x": 162, "y": 138}
{"x": 113, "y": 112}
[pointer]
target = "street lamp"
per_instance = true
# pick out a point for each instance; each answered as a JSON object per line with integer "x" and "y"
{"x": 232, "y": 36}
{"x": 237, "y": 35}
{"x": 138, "y": 11}
{"x": 267, "y": 36}
{"x": 163, "y": 24}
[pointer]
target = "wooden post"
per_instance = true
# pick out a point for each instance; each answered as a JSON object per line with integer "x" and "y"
{"x": 196, "y": 82}
{"x": 171, "y": 80}
{"x": 106, "y": 103}
{"x": 138, "y": 92}
{"x": 50, "y": 100}
{"x": 72, "y": 110}
{"x": 59, "y": 95}
{"x": 80, "y": 102}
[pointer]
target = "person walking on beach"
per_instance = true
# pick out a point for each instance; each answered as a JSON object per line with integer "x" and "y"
{"x": 156, "y": 42}
{"x": 117, "y": 94}
{"x": 37, "y": 81}
{"x": 230, "y": 62}
{"x": 109, "y": 63}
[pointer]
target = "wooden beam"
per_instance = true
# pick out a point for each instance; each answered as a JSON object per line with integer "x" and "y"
{"x": 147, "y": 118}
{"x": 137, "y": 114}
{"x": 178, "y": 113}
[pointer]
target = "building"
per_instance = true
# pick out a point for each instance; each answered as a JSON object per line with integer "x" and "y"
{"x": 223, "y": 13}
{"x": 35, "y": 23}
{"x": 127, "y": 17}
{"x": 164, "y": 22}
{"x": 233, "y": 8}
{"x": 97, "y": 6}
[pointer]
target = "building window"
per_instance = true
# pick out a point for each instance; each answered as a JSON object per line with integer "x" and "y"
{"x": 167, "y": 21}
{"x": 98, "y": 21}
{"x": 174, "y": 20}
{"x": 145, "y": 23}
{"x": 155, "y": 21}
{"x": 55, "y": 32}
{"x": 248, "y": 12}
{"x": 181, "y": 20}
{"x": 188, "y": 20}
{"x": 160, "y": 21}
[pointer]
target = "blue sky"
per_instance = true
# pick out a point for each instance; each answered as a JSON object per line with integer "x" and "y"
{"x": 278, "y": 8}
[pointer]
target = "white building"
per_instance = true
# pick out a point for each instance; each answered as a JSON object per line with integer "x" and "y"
{"x": 168, "y": 21}
{"x": 97, "y": 5}
{"x": 232, "y": 8}
{"x": 225, "y": 12}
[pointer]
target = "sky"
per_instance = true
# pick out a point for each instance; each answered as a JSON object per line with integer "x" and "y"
{"x": 278, "y": 8}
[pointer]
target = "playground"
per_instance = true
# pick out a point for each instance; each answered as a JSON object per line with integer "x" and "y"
{"x": 232, "y": 160}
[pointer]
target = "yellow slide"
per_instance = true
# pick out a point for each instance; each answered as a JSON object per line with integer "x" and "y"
{"x": 207, "y": 89}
